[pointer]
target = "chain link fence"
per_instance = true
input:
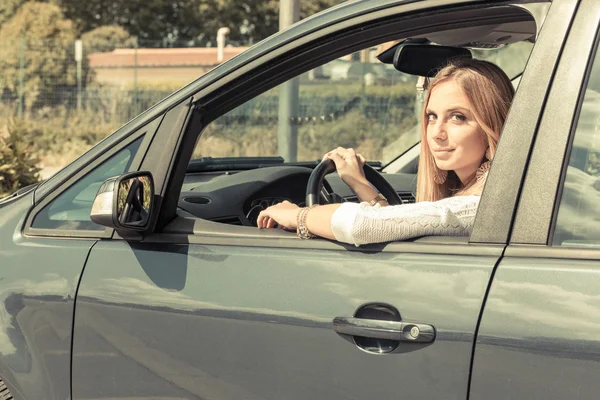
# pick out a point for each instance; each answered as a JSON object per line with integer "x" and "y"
{"x": 69, "y": 96}
{"x": 115, "y": 85}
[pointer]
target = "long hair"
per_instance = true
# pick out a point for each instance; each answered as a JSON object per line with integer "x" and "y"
{"x": 490, "y": 92}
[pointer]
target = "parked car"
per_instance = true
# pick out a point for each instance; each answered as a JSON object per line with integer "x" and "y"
{"x": 173, "y": 293}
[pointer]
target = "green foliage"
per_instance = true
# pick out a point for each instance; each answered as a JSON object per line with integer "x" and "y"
{"x": 170, "y": 21}
{"x": 251, "y": 22}
{"x": 105, "y": 39}
{"x": 148, "y": 19}
{"x": 57, "y": 129}
{"x": 8, "y": 9}
{"x": 47, "y": 52}
{"x": 18, "y": 167}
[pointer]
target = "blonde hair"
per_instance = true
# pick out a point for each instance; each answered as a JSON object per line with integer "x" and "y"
{"x": 490, "y": 92}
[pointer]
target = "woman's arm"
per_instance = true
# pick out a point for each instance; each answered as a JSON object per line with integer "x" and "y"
{"x": 285, "y": 214}
{"x": 362, "y": 224}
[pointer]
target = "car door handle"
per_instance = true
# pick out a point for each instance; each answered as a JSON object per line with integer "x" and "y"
{"x": 380, "y": 329}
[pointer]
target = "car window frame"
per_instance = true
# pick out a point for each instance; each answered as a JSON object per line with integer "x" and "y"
{"x": 537, "y": 213}
{"x": 215, "y": 100}
{"x": 145, "y": 133}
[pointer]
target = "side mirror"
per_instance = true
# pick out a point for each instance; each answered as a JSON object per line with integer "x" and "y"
{"x": 125, "y": 202}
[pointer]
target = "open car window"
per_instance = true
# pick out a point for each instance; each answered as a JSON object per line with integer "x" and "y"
{"x": 354, "y": 101}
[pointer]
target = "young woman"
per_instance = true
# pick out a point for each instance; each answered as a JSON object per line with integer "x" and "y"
{"x": 464, "y": 111}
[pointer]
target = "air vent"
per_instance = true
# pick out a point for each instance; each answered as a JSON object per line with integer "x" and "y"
{"x": 226, "y": 220}
{"x": 4, "y": 392}
{"x": 197, "y": 200}
{"x": 407, "y": 198}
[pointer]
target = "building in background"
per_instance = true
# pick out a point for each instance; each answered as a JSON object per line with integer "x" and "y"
{"x": 154, "y": 66}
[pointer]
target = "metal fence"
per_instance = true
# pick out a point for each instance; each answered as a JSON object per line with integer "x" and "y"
{"x": 37, "y": 76}
{"x": 78, "y": 93}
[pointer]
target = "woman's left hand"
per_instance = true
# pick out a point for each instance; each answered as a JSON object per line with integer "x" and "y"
{"x": 284, "y": 214}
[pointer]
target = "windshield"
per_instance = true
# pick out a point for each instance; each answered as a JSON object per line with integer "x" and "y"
{"x": 354, "y": 101}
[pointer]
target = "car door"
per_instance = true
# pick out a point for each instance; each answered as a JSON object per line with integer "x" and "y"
{"x": 45, "y": 238}
{"x": 201, "y": 310}
{"x": 538, "y": 337}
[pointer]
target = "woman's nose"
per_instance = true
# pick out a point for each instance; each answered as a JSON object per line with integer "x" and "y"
{"x": 439, "y": 131}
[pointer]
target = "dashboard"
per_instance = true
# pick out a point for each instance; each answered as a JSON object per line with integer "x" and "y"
{"x": 236, "y": 197}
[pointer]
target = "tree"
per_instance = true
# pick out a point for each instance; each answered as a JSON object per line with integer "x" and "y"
{"x": 161, "y": 21}
{"x": 47, "y": 51}
{"x": 8, "y": 8}
{"x": 168, "y": 22}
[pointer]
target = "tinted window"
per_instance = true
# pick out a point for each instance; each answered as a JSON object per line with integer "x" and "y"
{"x": 71, "y": 210}
{"x": 578, "y": 222}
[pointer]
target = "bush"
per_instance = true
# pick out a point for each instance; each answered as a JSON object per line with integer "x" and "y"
{"x": 18, "y": 167}
{"x": 58, "y": 135}
{"x": 48, "y": 53}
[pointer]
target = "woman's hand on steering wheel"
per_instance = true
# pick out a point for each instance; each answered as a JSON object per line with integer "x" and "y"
{"x": 349, "y": 166}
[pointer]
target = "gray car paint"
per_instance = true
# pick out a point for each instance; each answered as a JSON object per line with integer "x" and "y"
{"x": 534, "y": 357}
{"x": 38, "y": 281}
{"x": 231, "y": 322}
{"x": 539, "y": 336}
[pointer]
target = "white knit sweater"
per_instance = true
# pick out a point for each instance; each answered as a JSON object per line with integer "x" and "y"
{"x": 362, "y": 224}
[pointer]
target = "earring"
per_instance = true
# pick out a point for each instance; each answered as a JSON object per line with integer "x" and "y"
{"x": 488, "y": 154}
{"x": 482, "y": 171}
{"x": 440, "y": 176}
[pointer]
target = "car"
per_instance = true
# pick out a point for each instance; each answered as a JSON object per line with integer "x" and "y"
{"x": 137, "y": 271}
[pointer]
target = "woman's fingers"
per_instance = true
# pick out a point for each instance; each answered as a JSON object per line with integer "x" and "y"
{"x": 260, "y": 221}
{"x": 361, "y": 159}
{"x": 338, "y": 160}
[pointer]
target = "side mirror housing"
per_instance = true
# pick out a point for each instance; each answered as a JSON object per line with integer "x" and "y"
{"x": 125, "y": 202}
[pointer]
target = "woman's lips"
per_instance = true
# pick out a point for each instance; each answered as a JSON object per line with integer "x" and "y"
{"x": 443, "y": 154}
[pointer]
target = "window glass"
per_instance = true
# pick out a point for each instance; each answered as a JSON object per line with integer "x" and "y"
{"x": 578, "y": 218}
{"x": 353, "y": 101}
{"x": 71, "y": 210}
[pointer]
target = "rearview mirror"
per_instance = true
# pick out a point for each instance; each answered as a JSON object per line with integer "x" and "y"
{"x": 125, "y": 202}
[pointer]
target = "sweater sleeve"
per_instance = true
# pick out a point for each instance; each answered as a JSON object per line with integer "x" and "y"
{"x": 362, "y": 224}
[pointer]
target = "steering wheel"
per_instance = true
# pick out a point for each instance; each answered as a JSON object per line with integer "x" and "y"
{"x": 315, "y": 191}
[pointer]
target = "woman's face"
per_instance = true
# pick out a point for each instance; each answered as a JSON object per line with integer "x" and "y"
{"x": 455, "y": 139}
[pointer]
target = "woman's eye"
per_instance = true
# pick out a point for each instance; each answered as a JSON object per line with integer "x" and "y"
{"x": 459, "y": 117}
{"x": 431, "y": 117}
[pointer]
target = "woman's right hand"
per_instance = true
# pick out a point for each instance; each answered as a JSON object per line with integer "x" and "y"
{"x": 349, "y": 166}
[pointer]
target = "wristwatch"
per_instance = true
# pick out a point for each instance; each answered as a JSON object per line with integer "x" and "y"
{"x": 377, "y": 199}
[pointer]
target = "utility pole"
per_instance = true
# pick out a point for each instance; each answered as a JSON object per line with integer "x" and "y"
{"x": 21, "y": 76}
{"x": 78, "y": 60}
{"x": 287, "y": 133}
{"x": 135, "y": 75}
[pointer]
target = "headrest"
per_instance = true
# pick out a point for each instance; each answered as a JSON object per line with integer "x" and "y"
{"x": 422, "y": 59}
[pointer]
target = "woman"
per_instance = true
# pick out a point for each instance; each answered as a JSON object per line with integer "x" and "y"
{"x": 464, "y": 111}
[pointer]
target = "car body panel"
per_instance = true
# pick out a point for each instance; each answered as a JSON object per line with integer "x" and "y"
{"x": 254, "y": 322}
{"x": 538, "y": 338}
{"x": 501, "y": 194}
{"x": 207, "y": 310}
{"x": 38, "y": 281}
{"x": 562, "y": 113}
